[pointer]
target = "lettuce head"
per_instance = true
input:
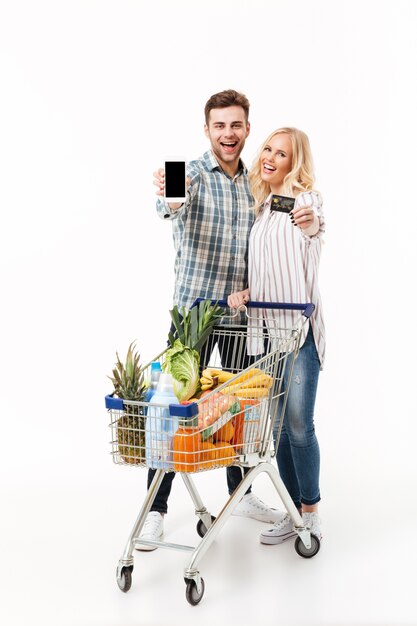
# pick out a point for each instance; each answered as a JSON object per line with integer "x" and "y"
{"x": 183, "y": 363}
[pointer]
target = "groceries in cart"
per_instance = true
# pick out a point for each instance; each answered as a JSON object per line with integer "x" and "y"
{"x": 220, "y": 423}
{"x": 253, "y": 383}
{"x": 129, "y": 427}
{"x": 135, "y": 385}
{"x": 226, "y": 410}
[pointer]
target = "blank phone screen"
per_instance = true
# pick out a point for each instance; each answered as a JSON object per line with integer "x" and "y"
{"x": 175, "y": 179}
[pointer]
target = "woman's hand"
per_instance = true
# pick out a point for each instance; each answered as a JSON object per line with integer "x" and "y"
{"x": 305, "y": 218}
{"x": 236, "y": 299}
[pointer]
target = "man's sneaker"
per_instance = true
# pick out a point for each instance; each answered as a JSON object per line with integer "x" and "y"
{"x": 153, "y": 530}
{"x": 280, "y": 532}
{"x": 251, "y": 506}
{"x": 312, "y": 521}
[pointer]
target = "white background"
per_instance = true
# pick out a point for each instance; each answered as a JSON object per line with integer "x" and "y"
{"x": 93, "y": 94}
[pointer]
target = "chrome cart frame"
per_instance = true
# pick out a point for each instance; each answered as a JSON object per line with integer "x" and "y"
{"x": 256, "y": 427}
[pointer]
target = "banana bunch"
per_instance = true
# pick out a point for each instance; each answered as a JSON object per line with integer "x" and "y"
{"x": 251, "y": 384}
{"x": 212, "y": 377}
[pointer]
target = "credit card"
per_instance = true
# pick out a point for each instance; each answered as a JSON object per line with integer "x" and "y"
{"x": 282, "y": 204}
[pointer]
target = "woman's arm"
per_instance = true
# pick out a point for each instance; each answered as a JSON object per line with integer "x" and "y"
{"x": 306, "y": 219}
{"x": 307, "y": 214}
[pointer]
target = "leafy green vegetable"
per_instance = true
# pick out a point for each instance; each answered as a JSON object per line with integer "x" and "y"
{"x": 193, "y": 327}
{"x": 183, "y": 363}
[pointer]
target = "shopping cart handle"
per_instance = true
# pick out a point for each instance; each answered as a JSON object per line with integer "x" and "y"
{"x": 114, "y": 403}
{"x": 188, "y": 409}
{"x": 306, "y": 308}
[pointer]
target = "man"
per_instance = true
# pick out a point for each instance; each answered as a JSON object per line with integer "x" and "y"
{"x": 211, "y": 232}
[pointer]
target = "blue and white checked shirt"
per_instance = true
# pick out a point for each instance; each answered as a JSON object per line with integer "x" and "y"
{"x": 211, "y": 232}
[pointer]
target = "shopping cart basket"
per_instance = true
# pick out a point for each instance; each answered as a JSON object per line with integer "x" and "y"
{"x": 237, "y": 420}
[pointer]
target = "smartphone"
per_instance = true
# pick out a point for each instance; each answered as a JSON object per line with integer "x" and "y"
{"x": 282, "y": 203}
{"x": 175, "y": 179}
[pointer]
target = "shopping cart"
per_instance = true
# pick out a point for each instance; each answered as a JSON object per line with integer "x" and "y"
{"x": 237, "y": 420}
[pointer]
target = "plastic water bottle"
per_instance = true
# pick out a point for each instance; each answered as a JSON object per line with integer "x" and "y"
{"x": 160, "y": 425}
{"x": 155, "y": 374}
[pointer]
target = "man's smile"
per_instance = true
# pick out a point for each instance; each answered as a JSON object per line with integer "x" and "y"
{"x": 228, "y": 146}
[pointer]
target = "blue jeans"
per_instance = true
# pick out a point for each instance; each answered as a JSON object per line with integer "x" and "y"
{"x": 298, "y": 455}
{"x": 233, "y": 473}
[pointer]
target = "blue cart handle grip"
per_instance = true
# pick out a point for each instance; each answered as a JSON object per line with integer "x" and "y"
{"x": 307, "y": 308}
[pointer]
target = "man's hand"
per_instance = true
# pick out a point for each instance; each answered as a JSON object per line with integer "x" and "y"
{"x": 305, "y": 218}
{"x": 159, "y": 181}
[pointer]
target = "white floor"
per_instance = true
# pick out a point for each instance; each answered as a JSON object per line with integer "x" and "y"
{"x": 62, "y": 539}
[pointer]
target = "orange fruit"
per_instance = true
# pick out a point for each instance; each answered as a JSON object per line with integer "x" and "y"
{"x": 186, "y": 444}
{"x": 225, "y": 433}
{"x": 225, "y": 453}
{"x": 207, "y": 455}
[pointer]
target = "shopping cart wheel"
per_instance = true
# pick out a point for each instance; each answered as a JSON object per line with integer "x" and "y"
{"x": 307, "y": 553}
{"x": 125, "y": 579}
{"x": 191, "y": 593}
{"x": 201, "y": 527}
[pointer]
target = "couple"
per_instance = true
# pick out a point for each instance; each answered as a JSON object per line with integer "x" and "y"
{"x": 230, "y": 245}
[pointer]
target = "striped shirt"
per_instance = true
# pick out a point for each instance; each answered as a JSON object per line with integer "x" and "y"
{"x": 211, "y": 232}
{"x": 283, "y": 267}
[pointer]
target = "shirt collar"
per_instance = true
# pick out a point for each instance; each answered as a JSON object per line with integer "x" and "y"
{"x": 266, "y": 205}
{"x": 211, "y": 163}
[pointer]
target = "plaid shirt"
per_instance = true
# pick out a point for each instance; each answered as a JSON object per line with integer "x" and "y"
{"x": 211, "y": 232}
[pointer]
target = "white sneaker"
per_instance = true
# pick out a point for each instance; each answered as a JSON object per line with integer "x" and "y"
{"x": 251, "y": 506}
{"x": 280, "y": 532}
{"x": 312, "y": 522}
{"x": 153, "y": 530}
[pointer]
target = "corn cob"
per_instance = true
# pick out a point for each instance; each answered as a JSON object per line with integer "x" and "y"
{"x": 258, "y": 381}
{"x": 246, "y": 392}
{"x": 249, "y": 375}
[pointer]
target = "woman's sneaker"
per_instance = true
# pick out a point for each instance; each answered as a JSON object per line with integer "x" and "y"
{"x": 283, "y": 530}
{"x": 153, "y": 530}
{"x": 251, "y": 506}
{"x": 312, "y": 522}
{"x": 280, "y": 532}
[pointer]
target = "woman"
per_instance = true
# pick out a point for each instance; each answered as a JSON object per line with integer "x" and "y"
{"x": 284, "y": 254}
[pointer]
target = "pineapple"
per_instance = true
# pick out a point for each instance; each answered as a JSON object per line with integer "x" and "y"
{"x": 129, "y": 384}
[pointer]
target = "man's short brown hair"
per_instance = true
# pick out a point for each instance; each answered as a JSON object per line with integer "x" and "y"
{"x": 227, "y": 98}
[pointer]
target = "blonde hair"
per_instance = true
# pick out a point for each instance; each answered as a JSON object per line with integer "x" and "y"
{"x": 299, "y": 179}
